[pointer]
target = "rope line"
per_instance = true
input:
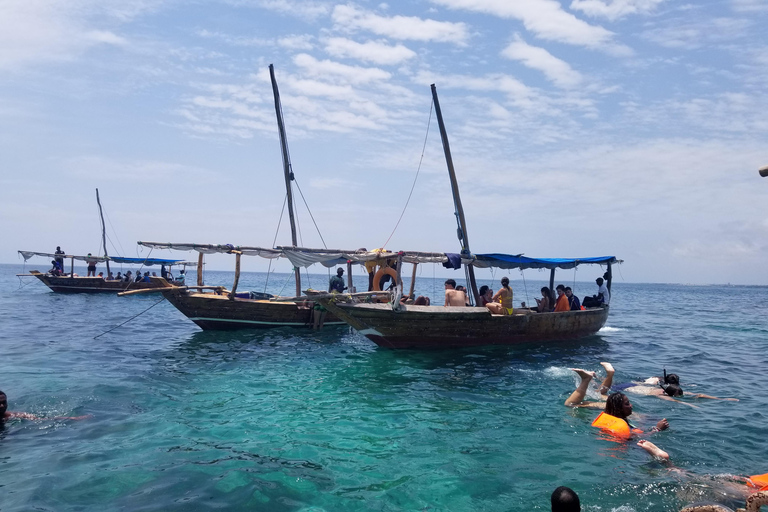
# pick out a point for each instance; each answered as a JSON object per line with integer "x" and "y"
{"x": 134, "y": 316}
{"x": 310, "y": 212}
{"x": 418, "y": 170}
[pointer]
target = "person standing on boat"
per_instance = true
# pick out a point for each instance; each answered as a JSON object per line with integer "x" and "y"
{"x": 91, "y": 266}
{"x": 59, "y": 253}
{"x": 336, "y": 284}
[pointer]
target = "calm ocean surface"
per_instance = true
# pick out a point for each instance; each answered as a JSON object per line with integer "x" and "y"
{"x": 289, "y": 420}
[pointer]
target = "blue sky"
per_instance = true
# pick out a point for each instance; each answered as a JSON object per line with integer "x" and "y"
{"x": 580, "y": 128}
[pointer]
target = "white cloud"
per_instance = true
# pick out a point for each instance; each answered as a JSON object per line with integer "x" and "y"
{"x": 43, "y": 30}
{"x": 692, "y": 34}
{"x": 303, "y": 9}
{"x": 749, "y": 5}
{"x": 349, "y": 17}
{"x": 329, "y": 69}
{"x": 547, "y": 20}
{"x": 296, "y": 42}
{"x": 614, "y": 9}
{"x": 556, "y": 70}
{"x": 370, "y": 51}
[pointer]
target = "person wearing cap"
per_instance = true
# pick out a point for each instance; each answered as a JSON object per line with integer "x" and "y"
{"x": 336, "y": 284}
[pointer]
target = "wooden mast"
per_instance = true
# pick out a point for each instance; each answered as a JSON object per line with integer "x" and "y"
{"x": 103, "y": 231}
{"x": 462, "y": 231}
{"x": 286, "y": 168}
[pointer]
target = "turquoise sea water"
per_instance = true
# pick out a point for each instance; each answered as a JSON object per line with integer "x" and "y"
{"x": 289, "y": 420}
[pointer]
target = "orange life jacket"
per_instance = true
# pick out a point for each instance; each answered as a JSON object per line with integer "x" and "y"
{"x": 615, "y": 426}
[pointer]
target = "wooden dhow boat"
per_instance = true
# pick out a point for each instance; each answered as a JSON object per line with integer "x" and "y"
{"x": 63, "y": 282}
{"x": 397, "y": 325}
{"x": 219, "y": 308}
{"x": 216, "y": 308}
{"x": 73, "y": 283}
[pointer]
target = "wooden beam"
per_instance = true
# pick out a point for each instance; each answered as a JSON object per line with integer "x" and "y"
{"x": 200, "y": 269}
{"x": 238, "y": 254}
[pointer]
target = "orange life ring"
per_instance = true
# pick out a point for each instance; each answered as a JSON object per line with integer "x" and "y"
{"x": 389, "y": 271}
{"x": 758, "y": 481}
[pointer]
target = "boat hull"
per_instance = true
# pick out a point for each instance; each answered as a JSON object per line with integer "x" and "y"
{"x": 218, "y": 312}
{"x": 451, "y": 327}
{"x": 79, "y": 284}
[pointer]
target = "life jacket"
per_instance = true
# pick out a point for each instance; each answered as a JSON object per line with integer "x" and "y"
{"x": 758, "y": 481}
{"x": 617, "y": 427}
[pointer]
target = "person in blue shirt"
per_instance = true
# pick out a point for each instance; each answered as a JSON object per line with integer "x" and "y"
{"x": 336, "y": 284}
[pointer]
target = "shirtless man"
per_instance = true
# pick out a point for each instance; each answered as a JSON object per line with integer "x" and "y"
{"x": 454, "y": 297}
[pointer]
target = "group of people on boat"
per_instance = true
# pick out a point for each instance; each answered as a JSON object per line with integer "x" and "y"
{"x": 500, "y": 303}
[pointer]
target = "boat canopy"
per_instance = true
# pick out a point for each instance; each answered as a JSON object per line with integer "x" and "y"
{"x": 305, "y": 257}
{"x": 522, "y": 262}
{"x": 215, "y": 248}
{"x": 117, "y": 259}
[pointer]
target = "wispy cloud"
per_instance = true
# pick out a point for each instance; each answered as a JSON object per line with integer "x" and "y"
{"x": 377, "y": 52}
{"x": 684, "y": 33}
{"x": 350, "y": 74}
{"x": 556, "y": 70}
{"x": 351, "y": 18}
{"x": 545, "y": 19}
{"x": 34, "y": 31}
{"x": 614, "y": 9}
{"x": 303, "y": 9}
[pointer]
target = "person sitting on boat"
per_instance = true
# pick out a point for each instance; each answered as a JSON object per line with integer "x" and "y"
{"x": 501, "y": 302}
{"x": 573, "y": 300}
{"x": 466, "y": 295}
{"x": 127, "y": 278}
{"x": 486, "y": 296}
{"x": 139, "y": 277}
{"x": 603, "y": 295}
{"x": 454, "y": 297}
{"x": 91, "y": 266}
{"x": 181, "y": 278}
{"x": 111, "y": 276}
{"x": 101, "y": 275}
{"x": 336, "y": 283}
{"x": 671, "y": 388}
{"x": 564, "y": 499}
{"x": 546, "y": 302}
{"x": 56, "y": 270}
{"x": 146, "y": 278}
{"x": 119, "y": 276}
{"x": 421, "y": 300}
{"x": 561, "y": 304}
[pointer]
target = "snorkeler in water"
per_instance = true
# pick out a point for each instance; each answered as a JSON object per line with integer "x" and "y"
{"x": 665, "y": 388}
{"x": 6, "y": 415}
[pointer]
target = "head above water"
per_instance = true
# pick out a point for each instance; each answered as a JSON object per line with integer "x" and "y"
{"x": 564, "y": 499}
{"x": 3, "y": 404}
{"x": 618, "y": 405}
{"x": 673, "y": 390}
{"x": 671, "y": 378}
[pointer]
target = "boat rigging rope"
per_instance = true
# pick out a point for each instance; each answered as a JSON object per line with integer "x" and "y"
{"x": 525, "y": 287}
{"x": 310, "y": 212}
{"x": 134, "y": 316}
{"x": 274, "y": 241}
{"x": 421, "y": 160}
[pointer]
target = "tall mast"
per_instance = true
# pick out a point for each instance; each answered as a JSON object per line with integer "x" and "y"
{"x": 103, "y": 230}
{"x": 462, "y": 229}
{"x": 288, "y": 170}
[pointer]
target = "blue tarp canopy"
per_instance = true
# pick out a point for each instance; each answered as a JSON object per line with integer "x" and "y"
{"x": 144, "y": 261}
{"x": 523, "y": 262}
